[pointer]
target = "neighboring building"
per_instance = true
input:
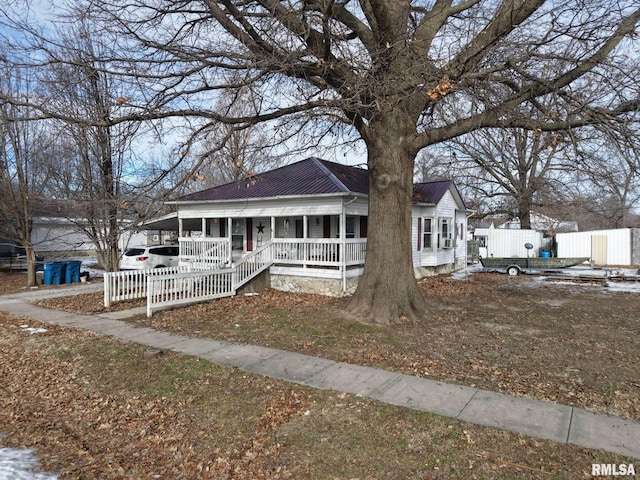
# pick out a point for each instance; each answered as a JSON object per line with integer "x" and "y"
{"x": 613, "y": 247}
{"x": 59, "y": 236}
{"x": 314, "y": 214}
{"x": 542, "y": 223}
{"x": 504, "y": 242}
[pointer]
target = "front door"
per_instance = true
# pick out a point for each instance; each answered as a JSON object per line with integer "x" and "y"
{"x": 599, "y": 249}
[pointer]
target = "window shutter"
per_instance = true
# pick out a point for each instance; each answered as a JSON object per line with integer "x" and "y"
{"x": 363, "y": 227}
{"x": 419, "y": 232}
{"x": 249, "y": 222}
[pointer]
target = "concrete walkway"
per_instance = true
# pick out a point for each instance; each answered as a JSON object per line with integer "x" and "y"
{"x": 535, "y": 418}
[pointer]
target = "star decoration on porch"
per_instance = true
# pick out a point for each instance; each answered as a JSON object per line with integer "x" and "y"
{"x": 260, "y": 227}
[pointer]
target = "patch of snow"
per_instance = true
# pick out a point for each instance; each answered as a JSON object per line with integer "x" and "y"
{"x": 32, "y": 330}
{"x": 464, "y": 273}
{"x": 624, "y": 287}
{"x": 21, "y": 465}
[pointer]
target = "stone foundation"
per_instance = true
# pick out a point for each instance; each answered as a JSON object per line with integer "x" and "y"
{"x": 330, "y": 287}
{"x": 440, "y": 269}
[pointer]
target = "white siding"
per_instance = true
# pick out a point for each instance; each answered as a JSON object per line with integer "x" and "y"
{"x": 265, "y": 208}
{"x": 461, "y": 239}
{"x": 578, "y": 244}
{"x": 437, "y": 256}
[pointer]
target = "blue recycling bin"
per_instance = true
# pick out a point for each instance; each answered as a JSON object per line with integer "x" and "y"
{"x": 52, "y": 273}
{"x": 63, "y": 271}
{"x": 72, "y": 272}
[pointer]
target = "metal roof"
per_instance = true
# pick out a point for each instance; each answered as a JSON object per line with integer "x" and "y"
{"x": 311, "y": 176}
{"x": 430, "y": 192}
{"x": 306, "y": 177}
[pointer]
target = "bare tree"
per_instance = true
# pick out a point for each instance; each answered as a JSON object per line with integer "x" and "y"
{"x": 399, "y": 74}
{"x": 610, "y": 160}
{"x": 22, "y": 171}
{"x": 96, "y": 169}
{"x": 515, "y": 168}
{"x": 228, "y": 153}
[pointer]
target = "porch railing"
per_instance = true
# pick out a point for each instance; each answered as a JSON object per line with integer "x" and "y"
{"x": 200, "y": 286}
{"x": 184, "y": 288}
{"x": 204, "y": 253}
{"x": 251, "y": 265}
{"x": 319, "y": 251}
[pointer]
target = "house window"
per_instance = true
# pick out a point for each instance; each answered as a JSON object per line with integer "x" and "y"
{"x": 237, "y": 234}
{"x": 445, "y": 233}
{"x": 351, "y": 227}
{"x": 427, "y": 234}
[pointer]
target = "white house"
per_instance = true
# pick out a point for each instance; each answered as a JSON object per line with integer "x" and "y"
{"x": 313, "y": 215}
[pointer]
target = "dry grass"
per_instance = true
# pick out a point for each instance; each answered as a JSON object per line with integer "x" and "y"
{"x": 98, "y": 408}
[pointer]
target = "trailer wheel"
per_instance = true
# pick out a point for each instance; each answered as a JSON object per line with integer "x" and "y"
{"x": 513, "y": 271}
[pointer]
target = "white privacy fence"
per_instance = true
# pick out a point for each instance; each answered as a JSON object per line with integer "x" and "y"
{"x": 604, "y": 247}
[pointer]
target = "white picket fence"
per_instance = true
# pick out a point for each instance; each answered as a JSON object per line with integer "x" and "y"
{"x": 132, "y": 284}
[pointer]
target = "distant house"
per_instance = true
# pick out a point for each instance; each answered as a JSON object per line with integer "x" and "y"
{"x": 60, "y": 236}
{"x": 313, "y": 214}
{"x": 542, "y": 223}
{"x": 59, "y": 230}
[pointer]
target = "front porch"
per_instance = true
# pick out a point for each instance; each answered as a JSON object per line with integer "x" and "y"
{"x": 335, "y": 261}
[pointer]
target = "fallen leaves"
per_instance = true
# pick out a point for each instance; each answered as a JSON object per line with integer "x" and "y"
{"x": 90, "y": 433}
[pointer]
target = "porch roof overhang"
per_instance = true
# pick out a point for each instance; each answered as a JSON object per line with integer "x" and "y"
{"x": 264, "y": 199}
{"x": 170, "y": 223}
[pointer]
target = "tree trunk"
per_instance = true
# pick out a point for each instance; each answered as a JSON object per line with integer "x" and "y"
{"x": 388, "y": 291}
{"x": 524, "y": 214}
{"x": 31, "y": 266}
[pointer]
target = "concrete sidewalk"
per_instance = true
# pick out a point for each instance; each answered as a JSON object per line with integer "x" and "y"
{"x": 539, "y": 419}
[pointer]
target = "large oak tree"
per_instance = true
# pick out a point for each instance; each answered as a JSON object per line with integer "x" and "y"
{"x": 399, "y": 74}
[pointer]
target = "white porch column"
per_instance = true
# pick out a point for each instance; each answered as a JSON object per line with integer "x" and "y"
{"x": 204, "y": 227}
{"x": 343, "y": 246}
{"x": 305, "y": 235}
{"x": 229, "y": 233}
{"x": 273, "y": 228}
{"x": 180, "y": 228}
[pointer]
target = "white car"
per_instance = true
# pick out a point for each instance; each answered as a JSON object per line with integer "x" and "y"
{"x": 145, "y": 257}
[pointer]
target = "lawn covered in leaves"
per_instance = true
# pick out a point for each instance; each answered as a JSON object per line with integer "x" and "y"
{"x": 573, "y": 344}
{"x": 97, "y": 408}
